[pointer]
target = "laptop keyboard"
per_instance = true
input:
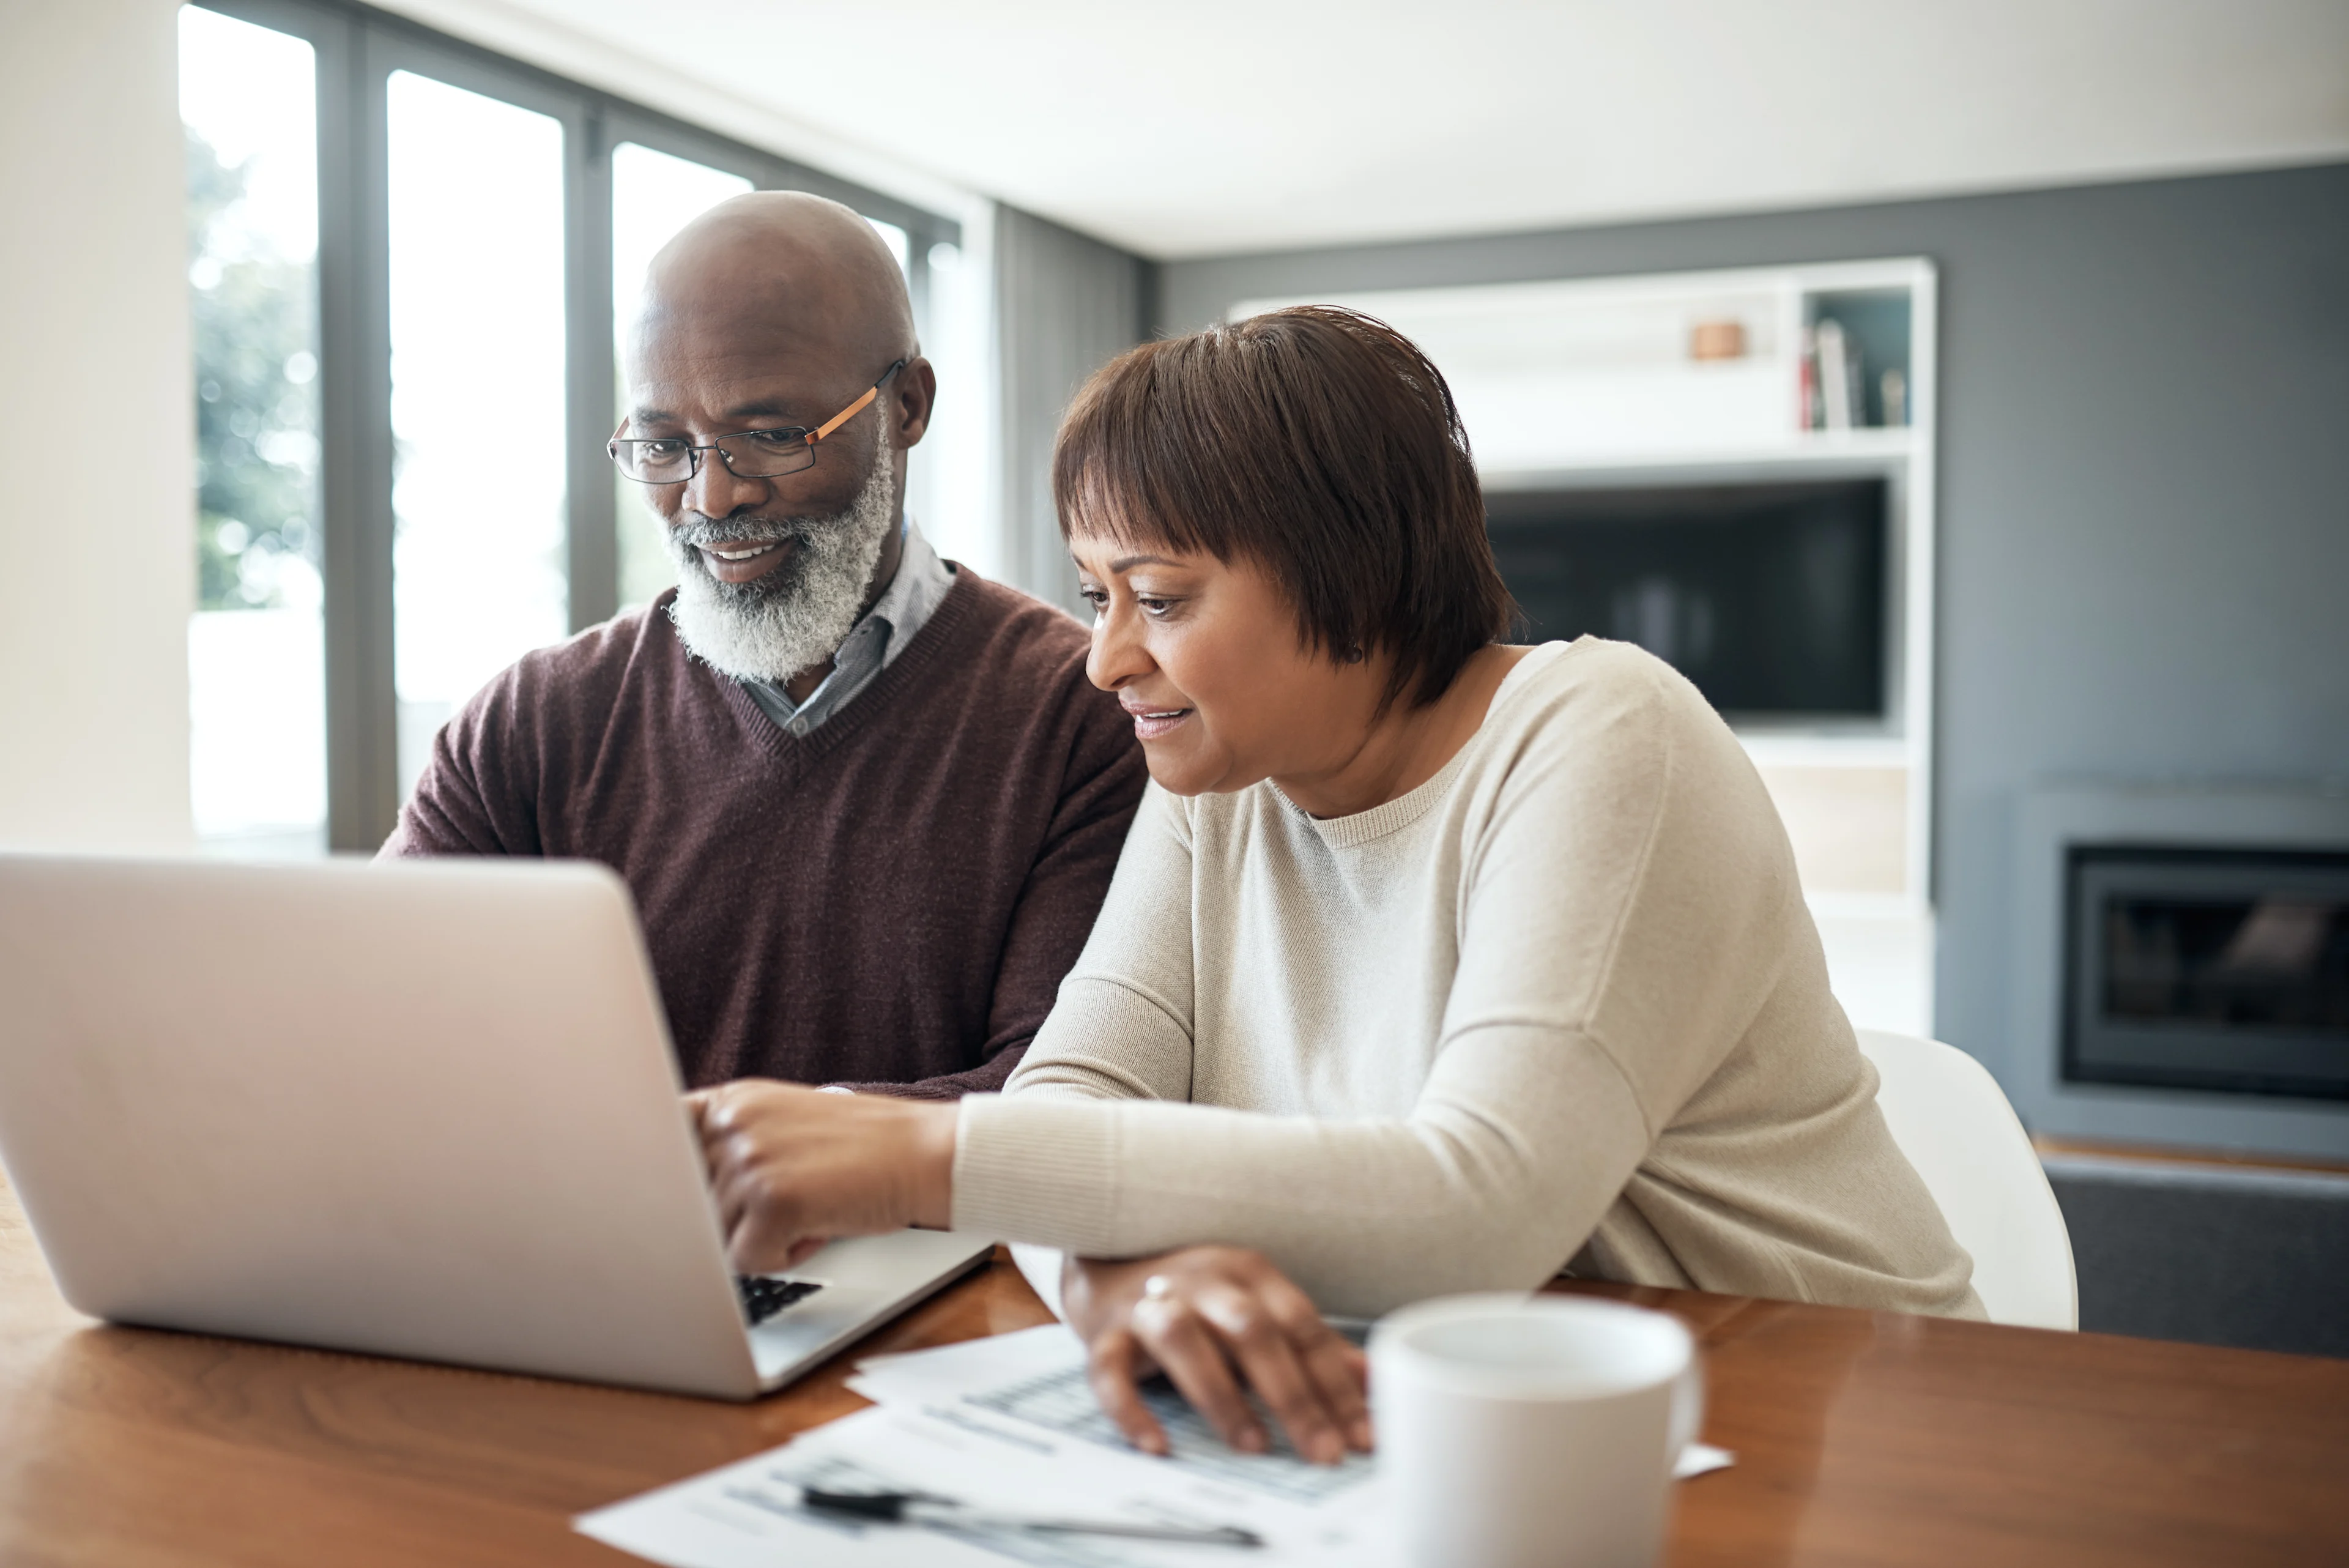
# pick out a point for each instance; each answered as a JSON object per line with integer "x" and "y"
{"x": 762, "y": 1298}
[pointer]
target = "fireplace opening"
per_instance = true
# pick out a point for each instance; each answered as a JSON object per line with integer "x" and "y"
{"x": 2214, "y": 969}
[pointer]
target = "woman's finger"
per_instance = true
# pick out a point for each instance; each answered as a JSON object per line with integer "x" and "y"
{"x": 732, "y": 1196}
{"x": 1113, "y": 1366}
{"x": 1340, "y": 1373}
{"x": 699, "y": 1105}
{"x": 1269, "y": 1361}
{"x": 1189, "y": 1352}
{"x": 761, "y": 1232}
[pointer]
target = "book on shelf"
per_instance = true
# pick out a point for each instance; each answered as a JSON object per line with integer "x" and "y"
{"x": 1835, "y": 376}
{"x": 1895, "y": 394}
{"x": 1807, "y": 407}
{"x": 1834, "y": 399}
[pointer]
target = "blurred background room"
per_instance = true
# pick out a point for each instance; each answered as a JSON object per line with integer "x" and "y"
{"x": 1958, "y": 393}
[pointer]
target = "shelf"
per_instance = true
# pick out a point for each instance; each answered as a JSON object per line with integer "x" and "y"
{"x": 1781, "y": 748}
{"x": 1873, "y": 442}
{"x": 1795, "y": 448}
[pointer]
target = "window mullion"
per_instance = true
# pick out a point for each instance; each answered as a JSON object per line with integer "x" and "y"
{"x": 590, "y": 502}
{"x": 355, "y": 413}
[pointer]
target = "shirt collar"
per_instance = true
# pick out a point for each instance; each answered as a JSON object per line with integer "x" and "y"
{"x": 920, "y": 582}
{"x": 898, "y": 615}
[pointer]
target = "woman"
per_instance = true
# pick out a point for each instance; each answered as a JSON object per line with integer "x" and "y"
{"x": 1432, "y": 964}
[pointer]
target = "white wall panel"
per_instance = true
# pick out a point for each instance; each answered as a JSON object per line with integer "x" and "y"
{"x": 98, "y": 533}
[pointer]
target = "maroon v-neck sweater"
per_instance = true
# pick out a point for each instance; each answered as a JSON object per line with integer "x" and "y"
{"x": 890, "y": 901}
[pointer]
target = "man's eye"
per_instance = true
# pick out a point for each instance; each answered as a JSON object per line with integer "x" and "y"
{"x": 774, "y": 440}
{"x": 659, "y": 451}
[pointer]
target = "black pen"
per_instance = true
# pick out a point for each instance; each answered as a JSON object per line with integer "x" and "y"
{"x": 914, "y": 1508}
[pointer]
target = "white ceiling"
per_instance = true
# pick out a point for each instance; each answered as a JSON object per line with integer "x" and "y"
{"x": 1214, "y": 125}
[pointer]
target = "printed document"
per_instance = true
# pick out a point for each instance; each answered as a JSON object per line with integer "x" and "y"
{"x": 1008, "y": 1425}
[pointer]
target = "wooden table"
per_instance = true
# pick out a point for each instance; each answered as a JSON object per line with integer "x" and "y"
{"x": 1862, "y": 1438}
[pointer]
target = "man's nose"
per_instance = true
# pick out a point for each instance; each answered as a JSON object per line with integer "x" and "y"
{"x": 1117, "y": 655}
{"x": 715, "y": 491}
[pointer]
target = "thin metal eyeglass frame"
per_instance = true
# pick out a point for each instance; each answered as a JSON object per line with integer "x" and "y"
{"x": 809, "y": 437}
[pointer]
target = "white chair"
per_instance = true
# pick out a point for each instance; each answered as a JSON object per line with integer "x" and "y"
{"x": 1949, "y": 1117}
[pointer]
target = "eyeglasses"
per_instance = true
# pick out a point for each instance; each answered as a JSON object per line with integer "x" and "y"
{"x": 748, "y": 454}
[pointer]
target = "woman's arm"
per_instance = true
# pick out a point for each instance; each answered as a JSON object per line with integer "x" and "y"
{"x": 1628, "y": 910}
{"x": 1520, "y": 1141}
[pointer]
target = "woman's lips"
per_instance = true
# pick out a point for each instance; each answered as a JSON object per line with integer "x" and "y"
{"x": 1151, "y": 723}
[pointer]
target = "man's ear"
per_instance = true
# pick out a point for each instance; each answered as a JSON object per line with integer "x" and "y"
{"x": 912, "y": 393}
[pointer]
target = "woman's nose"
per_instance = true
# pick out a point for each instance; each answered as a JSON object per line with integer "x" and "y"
{"x": 1117, "y": 655}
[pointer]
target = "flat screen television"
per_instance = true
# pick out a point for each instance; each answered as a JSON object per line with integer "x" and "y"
{"x": 1771, "y": 598}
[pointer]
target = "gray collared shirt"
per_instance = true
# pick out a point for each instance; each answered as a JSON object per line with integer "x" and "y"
{"x": 905, "y": 606}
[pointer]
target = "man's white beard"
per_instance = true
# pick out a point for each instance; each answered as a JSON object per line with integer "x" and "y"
{"x": 798, "y": 614}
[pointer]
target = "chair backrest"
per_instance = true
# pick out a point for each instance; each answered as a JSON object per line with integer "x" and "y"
{"x": 1949, "y": 1117}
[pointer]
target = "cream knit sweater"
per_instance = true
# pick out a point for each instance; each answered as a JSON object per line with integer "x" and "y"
{"x": 1561, "y": 1004}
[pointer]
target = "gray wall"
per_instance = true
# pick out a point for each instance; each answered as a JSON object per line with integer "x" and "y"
{"x": 2144, "y": 496}
{"x": 1065, "y": 304}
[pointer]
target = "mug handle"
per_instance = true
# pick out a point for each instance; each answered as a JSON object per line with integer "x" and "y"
{"x": 1688, "y": 1405}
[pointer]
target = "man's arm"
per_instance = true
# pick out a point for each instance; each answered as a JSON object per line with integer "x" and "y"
{"x": 465, "y": 801}
{"x": 1058, "y": 903}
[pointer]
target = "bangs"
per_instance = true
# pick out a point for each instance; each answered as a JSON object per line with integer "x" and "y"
{"x": 1317, "y": 444}
{"x": 1134, "y": 459}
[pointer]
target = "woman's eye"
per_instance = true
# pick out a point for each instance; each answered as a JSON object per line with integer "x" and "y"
{"x": 1153, "y": 606}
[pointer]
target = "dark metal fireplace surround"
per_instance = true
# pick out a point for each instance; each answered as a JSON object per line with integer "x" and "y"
{"x": 2216, "y": 969}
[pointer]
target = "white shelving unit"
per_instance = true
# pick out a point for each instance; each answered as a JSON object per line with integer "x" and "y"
{"x": 1590, "y": 383}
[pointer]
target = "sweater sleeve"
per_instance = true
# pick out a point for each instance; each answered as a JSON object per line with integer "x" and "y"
{"x": 1626, "y": 890}
{"x": 477, "y": 793}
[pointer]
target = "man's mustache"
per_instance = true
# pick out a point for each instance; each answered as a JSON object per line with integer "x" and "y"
{"x": 700, "y": 532}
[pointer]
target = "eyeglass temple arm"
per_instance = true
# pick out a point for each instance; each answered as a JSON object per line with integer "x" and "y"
{"x": 857, "y": 406}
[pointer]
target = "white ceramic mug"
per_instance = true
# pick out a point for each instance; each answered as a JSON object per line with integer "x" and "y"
{"x": 1531, "y": 1432}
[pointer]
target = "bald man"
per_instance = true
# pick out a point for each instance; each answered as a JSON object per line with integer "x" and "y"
{"x": 867, "y": 801}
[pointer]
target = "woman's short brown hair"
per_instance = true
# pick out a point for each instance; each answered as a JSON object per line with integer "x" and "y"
{"x": 1319, "y": 444}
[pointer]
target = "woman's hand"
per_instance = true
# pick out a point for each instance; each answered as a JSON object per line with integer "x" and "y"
{"x": 1219, "y": 1322}
{"x": 792, "y": 1167}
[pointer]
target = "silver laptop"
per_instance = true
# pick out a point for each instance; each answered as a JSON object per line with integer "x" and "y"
{"x": 424, "y": 1110}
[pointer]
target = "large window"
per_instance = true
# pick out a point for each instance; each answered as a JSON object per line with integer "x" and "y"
{"x": 256, "y": 659}
{"x": 411, "y": 263}
{"x": 479, "y": 568}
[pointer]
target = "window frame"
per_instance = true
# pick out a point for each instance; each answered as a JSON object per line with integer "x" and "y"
{"x": 357, "y": 47}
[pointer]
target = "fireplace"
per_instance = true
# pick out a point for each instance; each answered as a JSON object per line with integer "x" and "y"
{"x": 2222, "y": 970}
{"x": 2177, "y": 970}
